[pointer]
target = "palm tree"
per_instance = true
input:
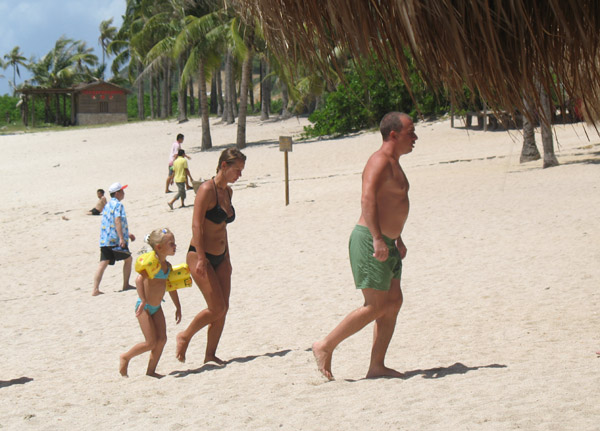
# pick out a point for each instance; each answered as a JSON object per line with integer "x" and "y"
{"x": 247, "y": 43}
{"x": 66, "y": 64}
{"x": 14, "y": 59}
{"x": 130, "y": 50}
{"x": 201, "y": 37}
{"x": 107, "y": 34}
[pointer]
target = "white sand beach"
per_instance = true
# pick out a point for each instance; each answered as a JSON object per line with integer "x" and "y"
{"x": 501, "y": 315}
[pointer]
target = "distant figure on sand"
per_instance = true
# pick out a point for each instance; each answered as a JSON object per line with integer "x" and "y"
{"x": 151, "y": 290}
{"x": 181, "y": 174}
{"x": 208, "y": 255}
{"x": 114, "y": 237}
{"x": 172, "y": 156}
{"x": 376, "y": 248}
{"x": 97, "y": 210}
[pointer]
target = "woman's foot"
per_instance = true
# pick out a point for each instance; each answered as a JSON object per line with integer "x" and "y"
{"x": 123, "y": 364}
{"x": 182, "y": 345}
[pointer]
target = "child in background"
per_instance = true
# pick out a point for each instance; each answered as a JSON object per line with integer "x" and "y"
{"x": 97, "y": 210}
{"x": 151, "y": 290}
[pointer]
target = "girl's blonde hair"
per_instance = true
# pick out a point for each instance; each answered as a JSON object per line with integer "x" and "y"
{"x": 156, "y": 236}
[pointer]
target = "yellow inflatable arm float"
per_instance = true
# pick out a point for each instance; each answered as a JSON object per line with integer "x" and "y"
{"x": 179, "y": 277}
{"x": 148, "y": 262}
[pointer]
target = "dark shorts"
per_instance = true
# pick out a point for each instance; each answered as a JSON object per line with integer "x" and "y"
{"x": 94, "y": 211}
{"x": 106, "y": 253}
{"x": 214, "y": 259}
{"x": 170, "y": 170}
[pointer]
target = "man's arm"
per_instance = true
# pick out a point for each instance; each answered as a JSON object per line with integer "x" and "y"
{"x": 119, "y": 229}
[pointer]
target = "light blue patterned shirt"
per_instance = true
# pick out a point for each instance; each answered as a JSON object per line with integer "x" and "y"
{"x": 108, "y": 229}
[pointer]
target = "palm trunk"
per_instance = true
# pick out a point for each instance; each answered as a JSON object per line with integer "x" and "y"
{"x": 206, "y": 140}
{"x": 265, "y": 103}
{"x": 285, "y": 100}
{"x": 220, "y": 107}
{"x": 244, "y": 83}
{"x": 228, "y": 112}
{"x": 546, "y": 125}
{"x": 165, "y": 91}
{"x": 213, "y": 92}
{"x": 192, "y": 101}
{"x": 529, "y": 152}
{"x": 181, "y": 109}
{"x": 140, "y": 95}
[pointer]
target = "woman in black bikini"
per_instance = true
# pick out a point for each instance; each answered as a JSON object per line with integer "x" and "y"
{"x": 208, "y": 255}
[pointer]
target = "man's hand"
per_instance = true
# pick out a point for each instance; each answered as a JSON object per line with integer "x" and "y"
{"x": 380, "y": 248}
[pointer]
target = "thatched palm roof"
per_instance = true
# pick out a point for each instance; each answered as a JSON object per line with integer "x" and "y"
{"x": 499, "y": 47}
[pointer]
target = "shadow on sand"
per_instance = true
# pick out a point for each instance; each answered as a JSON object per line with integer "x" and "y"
{"x": 19, "y": 381}
{"x": 438, "y": 372}
{"x": 244, "y": 359}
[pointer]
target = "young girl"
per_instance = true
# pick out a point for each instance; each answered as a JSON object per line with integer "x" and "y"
{"x": 151, "y": 290}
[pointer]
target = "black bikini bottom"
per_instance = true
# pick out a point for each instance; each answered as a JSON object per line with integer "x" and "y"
{"x": 214, "y": 259}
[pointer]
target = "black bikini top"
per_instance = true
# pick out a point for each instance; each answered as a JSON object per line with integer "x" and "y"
{"x": 217, "y": 214}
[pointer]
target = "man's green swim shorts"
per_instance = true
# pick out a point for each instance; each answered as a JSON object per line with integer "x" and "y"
{"x": 369, "y": 272}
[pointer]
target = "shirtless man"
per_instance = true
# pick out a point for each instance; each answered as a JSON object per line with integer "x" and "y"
{"x": 376, "y": 248}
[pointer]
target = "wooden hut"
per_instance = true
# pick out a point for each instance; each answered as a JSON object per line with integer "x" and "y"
{"x": 99, "y": 103}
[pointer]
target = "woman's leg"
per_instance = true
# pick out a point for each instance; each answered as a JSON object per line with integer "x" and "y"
{"x": 149, "y": 331}
{"x": 223, "y": 272}
{"x": 215, "y": 301}
{"x": 160, "y": 327}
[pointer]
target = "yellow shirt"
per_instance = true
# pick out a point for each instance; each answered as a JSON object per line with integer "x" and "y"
{"x": 179, "y": 167}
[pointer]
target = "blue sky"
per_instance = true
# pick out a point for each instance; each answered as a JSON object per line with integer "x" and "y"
{"x": 35, "y": 26}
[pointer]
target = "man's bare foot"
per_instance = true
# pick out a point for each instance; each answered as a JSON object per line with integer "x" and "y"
{"x": 323, "y": 360}
{"x": 97, "y": 292}
{"x": 213, "y": 358}
{"x": 155, "y": 375}
{"x": 383, "y": 371}
{"x": 128, "y": 287}
{"x": 123, "y": 364}
{"x": 182, "y": 345}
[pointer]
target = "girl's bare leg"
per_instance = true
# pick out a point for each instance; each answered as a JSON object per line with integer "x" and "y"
{"x": 149, "y": 331}
{"x": 160, "y": 326}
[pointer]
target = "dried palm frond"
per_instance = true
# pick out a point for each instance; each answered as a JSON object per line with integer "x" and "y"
{"x": 502, "y": 49}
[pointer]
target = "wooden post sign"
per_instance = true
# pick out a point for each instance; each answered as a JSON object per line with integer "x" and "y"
{"x": 285, "y": 145}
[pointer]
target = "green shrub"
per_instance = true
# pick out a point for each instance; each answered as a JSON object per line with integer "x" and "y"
{"x": 366, "y": 94}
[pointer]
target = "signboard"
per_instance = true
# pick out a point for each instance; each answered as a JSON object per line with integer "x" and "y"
{"x": 285, "y": 143}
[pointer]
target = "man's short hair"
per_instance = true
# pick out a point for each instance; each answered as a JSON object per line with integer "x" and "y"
{"x": 391, "y": 121}
{"x": 181, "y": 152}
{"x": 179, "y": 136}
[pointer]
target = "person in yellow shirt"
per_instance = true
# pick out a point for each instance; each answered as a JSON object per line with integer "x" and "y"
{"x": 181, "y": 173}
